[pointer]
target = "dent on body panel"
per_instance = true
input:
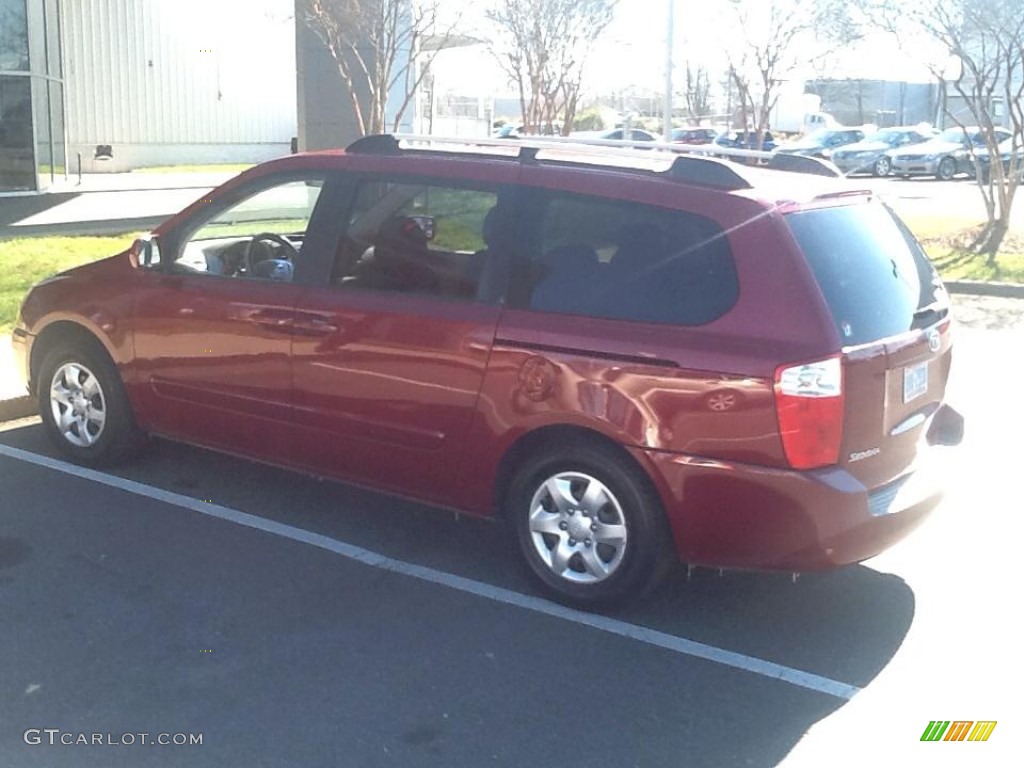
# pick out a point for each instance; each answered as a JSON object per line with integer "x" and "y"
{"x": 560, "y": 389}
{"x": 655, "y": 407}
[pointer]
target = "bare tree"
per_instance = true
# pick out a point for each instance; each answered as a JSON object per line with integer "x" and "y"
{"x": 542, "y": 45}
{"x": 986, "y": 39}
{"x": 698, "y": 90}
{"x": 774, "y": 39}
{"x": 382, "y": 48}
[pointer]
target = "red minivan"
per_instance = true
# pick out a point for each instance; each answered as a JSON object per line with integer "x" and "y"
{"x": 636, "y": 358}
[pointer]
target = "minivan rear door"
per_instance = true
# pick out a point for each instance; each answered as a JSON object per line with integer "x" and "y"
{"x": 892, "y": 315}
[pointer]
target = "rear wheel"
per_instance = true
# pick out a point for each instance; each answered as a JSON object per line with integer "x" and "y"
{"x": 947, "y": 169}
{"x": 883, "y": 166}
{"x": 589, "y": 524}
{"x": 83, "y": 405}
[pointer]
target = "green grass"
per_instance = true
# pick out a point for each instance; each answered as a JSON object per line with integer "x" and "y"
{"x": 945, "y": 240}
{"x": 26, "y": 261}
{"x": 958, "y": 264}
{"x": 197, "y": 168}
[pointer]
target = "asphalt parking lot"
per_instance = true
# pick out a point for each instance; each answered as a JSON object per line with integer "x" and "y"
{"x": 291, "y": 621}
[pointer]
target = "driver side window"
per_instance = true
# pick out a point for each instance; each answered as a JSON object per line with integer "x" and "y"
{"x": 259, "y": 237}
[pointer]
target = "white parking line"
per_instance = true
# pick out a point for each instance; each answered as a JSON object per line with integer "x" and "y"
{"x": 653, "y": 637}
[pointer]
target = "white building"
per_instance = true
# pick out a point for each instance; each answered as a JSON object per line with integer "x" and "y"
{"x": 162, "y": 82}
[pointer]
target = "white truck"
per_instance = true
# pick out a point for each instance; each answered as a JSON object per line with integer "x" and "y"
{"x": 798, "y": 113}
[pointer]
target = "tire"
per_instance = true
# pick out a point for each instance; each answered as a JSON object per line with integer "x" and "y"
{"x": 882, "y": 166}
{"x": 84, "y": 407}
{"x": 947, "y": 169}
{"x": 589, "y": 550}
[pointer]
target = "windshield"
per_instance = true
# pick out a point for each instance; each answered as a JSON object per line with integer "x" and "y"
{"x": 822, "y": 134}
{"x": 953, "y": 135}
{"x": 892, "y": 138}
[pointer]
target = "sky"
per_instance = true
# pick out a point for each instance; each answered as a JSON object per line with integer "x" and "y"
{"x": 631, "y": 53}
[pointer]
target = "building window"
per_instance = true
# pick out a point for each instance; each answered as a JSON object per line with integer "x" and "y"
{"x": 13, "y": 36}
{"x": 17, "y": 166}
{"x": 32, "y": 151}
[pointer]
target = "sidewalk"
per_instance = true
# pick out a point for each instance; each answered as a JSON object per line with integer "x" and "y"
{"x": 105, "y": 204}
{"x": 14, "y": 400}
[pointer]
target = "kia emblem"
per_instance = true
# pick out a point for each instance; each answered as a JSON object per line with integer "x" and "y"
{"x": 934, "y": 341}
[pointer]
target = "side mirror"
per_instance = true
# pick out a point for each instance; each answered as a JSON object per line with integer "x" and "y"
{"x": 145, "y": 252}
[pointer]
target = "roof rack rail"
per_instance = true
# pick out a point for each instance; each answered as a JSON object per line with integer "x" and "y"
{"x": 707, "y": 171}
{"x": 375, "y": 144}
{"x": 691, "y": 163}
{"x": 802, "y": 164}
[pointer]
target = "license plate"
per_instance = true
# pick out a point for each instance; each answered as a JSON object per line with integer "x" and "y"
{"x": 915, "y": 381}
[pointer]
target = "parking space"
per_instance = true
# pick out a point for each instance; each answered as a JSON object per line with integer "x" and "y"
{"x": 240, "y": 601}
{"x": 135, "y": 615}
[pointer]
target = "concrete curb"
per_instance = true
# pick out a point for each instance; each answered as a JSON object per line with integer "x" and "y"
{"x": 17, "y": 408}
{"x": 978, "y": 288}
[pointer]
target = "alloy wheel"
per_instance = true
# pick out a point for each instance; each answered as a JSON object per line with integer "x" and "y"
{"x": 577, "y": 527}
{"x": 78, "y": 404}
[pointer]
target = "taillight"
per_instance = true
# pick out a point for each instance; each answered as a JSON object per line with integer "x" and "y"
{"x": 809, "y": 404}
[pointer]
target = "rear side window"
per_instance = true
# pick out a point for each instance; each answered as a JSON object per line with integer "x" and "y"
{"x": 626, "y": 261}
{"x": 873, "y": 274}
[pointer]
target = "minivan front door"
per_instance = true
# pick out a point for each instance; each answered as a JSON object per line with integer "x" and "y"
{"x": 389, "y": 357}
{"x": 213, "y": 326}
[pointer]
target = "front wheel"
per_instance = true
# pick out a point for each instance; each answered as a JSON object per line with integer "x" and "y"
{"x": 883, "y": 166}
{"x": 83, "y": 406}
{"x": 947, "y": 169}
{"x": 589, "y": 524}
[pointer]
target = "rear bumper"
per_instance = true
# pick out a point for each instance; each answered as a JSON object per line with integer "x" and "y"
{"x": 745, "y": 516}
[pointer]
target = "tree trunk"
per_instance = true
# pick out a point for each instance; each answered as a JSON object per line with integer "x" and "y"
{"x": 990, "y": 239}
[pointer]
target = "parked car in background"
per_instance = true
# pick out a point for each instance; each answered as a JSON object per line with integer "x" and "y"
{"x": 745, "y": 140}
{"x": 515, "y": 130}
{"x": 616, "y": 134}
{"x": 1006, "y": 153}
{"x": 823, "y": 142}
{"x": 944, "y": 156}
{"x": 869, "y": 155}
{"x": 693, "y": 135}
{"x": 632, "y": 359}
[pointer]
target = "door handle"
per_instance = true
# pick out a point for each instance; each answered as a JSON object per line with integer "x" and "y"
{"x": 314, "y": 326}
{"x": 273, "y": 320}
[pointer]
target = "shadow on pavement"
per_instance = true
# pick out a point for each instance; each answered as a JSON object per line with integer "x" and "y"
{"x": 845, "y": 625}
{"x": 15, "y": 209}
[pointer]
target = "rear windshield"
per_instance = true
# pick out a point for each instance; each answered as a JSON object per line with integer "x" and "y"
{"x": 874, "y": 276}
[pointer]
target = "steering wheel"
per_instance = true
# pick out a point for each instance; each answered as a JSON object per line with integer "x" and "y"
{"x": 289, "y": 250}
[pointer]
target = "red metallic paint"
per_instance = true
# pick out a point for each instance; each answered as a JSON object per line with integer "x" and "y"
{"x": 303, "y": 375}
{"x": 212, "y": 361}
{"x": 386, "y": 389}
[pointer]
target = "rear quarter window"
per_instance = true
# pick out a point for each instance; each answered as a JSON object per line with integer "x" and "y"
{"x": 874, "y": 276}
{"x": 627, "y": 261}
